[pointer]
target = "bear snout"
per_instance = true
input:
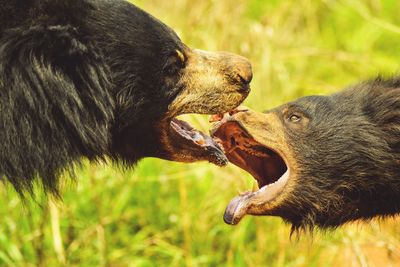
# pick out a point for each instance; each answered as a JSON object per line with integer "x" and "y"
{"x": 241, "y": 68}
{"x": 237, "y": 68}
{"x": 212, "y": 82}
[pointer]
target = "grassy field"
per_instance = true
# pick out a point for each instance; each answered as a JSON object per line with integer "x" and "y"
{"x": 170, "y": 214}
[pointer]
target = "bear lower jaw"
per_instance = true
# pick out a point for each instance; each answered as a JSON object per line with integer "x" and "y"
{"x": 255, "y": 203}
{"x": 196, "y": 144}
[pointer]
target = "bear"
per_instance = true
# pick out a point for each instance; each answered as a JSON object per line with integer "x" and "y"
{"x": 319, "y": 161}
{"x": 101, "y": 79}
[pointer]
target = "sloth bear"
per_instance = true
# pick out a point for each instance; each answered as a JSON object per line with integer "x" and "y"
{"x": 98, "y": 78}
{"x": 320, "y": 160}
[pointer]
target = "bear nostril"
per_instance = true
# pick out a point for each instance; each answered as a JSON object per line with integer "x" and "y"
{"x": 245, "y": 80}
{"x": 244, "y": 72}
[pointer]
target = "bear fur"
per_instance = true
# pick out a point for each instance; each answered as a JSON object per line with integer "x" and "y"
{"x": 339, "y": 153}
{"x": 98, "y": 78}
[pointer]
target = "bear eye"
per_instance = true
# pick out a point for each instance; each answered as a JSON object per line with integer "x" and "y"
{"x": 294, "y": 118}
{"x": 174, "y": 63}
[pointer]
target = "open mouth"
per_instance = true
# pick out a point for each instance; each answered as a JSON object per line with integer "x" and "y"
{"x": 189, "y": 133}
{"x": 265, "y": 164}
{"x": 194, "y": 144}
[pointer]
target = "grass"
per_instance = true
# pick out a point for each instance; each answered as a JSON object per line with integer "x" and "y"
{"x": 170, "y": 214}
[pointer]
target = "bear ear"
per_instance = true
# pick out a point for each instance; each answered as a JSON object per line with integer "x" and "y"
{"x": 55, "y": 103}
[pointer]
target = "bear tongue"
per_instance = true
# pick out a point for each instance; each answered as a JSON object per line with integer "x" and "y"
{"x": 237, "y": 208}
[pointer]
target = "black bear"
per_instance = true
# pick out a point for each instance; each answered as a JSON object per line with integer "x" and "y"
{"x": 97, "y": 78}
{"x": 320, "y": 160}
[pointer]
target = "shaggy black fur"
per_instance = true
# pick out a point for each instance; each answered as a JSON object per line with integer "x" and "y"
{"x": 55, "y": 96}
{"x": 91, "y": 78}
{"x": 348, "y": 156}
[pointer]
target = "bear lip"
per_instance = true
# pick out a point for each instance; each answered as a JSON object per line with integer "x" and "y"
{"x": 188, "y": 132}
{"x": 199, "y": 141}
{"x": 267, "y": 166}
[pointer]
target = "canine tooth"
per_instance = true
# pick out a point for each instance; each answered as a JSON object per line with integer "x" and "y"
{"x": 226, "y": 114}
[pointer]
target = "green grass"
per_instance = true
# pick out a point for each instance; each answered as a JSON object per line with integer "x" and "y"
{"x": 170, "y": 214}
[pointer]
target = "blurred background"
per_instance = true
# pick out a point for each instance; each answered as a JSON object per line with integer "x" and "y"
{"x": 170, "y": 214}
